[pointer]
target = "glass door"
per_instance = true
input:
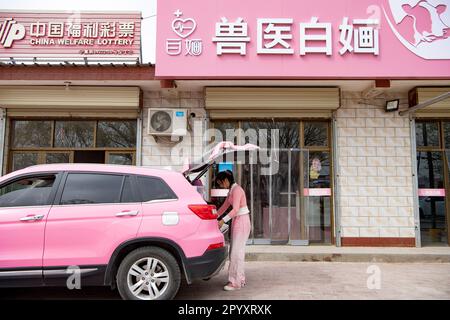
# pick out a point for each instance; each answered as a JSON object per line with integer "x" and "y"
{"x": 432, "y": 181}
{"x": 287, "y": 182}
{"x": 274, "y": 180}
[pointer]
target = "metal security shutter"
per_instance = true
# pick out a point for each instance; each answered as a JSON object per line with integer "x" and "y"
{"x": 74, "y": 101}
{"x": 273, "y": 102}
{"x": 422, "y": 94}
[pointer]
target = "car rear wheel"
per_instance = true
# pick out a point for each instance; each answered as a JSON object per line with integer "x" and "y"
{"x": 148, "y": 273}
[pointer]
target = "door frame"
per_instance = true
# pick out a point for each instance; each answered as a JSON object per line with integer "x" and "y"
{"x": 446, "y": 172}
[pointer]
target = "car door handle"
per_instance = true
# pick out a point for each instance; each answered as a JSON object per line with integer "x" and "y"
{"x": 127, "y": 213}
{"x": 32, "y": 218}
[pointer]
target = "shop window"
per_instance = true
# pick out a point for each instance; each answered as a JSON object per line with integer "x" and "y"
{"x": 447, "y": 135}
{"x": 74, "y": 134}
{"x": 287, "y": 134}
{"x": 22, "y": 160}
{"x": 120, "y": 158}
{"x": 32, "y": 191}
{"x": 319, "y": 219}
{"x": 83, "y": 188}
{"x": 427, "y": 134}
{"x": 319, "y": 170}
{"x": 225, "y": 132}
{"x": 430, "y": 170}
{"x": 31, "y": 134}
{"x": 315, "y": 134}
{"x": 57, "y": 157}
{"x": 95, "y": 141}
{"x": 116, "y": 134}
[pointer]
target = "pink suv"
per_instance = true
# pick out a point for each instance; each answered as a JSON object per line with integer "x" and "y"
{"x": 133, "y": 228}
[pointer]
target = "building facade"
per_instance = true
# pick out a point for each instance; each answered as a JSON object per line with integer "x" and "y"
{"x": 336, "y": 167}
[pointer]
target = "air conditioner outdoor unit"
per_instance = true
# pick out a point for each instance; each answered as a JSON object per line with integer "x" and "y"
{"x": 167, "y": 122}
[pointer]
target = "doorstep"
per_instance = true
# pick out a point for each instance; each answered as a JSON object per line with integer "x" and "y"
{"x": 347, "y": 254}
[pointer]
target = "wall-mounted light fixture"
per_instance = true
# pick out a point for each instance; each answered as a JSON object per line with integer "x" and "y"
{"x": 392, "y": 105}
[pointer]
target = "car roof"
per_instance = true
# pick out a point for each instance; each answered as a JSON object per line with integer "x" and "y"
{"x": 107, "y": 168}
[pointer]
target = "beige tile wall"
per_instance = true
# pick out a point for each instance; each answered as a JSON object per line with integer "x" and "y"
{"x": 376, "y": 194}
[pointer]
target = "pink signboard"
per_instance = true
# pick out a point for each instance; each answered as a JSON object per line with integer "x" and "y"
{"x": 303, "y": 39}
{"x": 68, "y": 35}
{"x": 431, "y": 192}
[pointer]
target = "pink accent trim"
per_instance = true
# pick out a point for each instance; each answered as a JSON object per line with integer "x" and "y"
{"x": 219, "y": 192}
{"x": 317, "y": 192}
{"x": 431, "y": 192}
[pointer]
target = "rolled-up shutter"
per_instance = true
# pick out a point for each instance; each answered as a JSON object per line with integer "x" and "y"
{"x": 422, "y": 94}
{"x": 273, "y": 102}
{"x": 73, "y": 101}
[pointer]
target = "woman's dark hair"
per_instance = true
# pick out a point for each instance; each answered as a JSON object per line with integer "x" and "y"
{"x": 227, "y": 174}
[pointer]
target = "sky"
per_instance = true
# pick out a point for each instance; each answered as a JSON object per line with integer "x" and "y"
{"x": 147, "y": 7}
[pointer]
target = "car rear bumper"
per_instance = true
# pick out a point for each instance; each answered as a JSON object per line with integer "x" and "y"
{"x": 205, "y": 266}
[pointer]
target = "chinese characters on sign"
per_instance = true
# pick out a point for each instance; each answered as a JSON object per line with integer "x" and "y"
{"x": 274, "y": 36}
{"x": 70, "y": 34}
{"x": 105, "y": 33}
{"x": 231, "y": 37}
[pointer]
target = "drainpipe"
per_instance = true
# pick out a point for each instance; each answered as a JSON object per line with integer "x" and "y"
{"x": 336, "y": 175}
{"x": 415, "y": 184}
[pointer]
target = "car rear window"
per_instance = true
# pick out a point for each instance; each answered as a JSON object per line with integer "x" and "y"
{"x": 84, "y": 188}
{"x": 153, "y": 188}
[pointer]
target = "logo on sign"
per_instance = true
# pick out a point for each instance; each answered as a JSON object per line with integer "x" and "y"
{"x": 10, "y": 31}
{"x": 422, "y": 26}
{"x": 183, "y": 28}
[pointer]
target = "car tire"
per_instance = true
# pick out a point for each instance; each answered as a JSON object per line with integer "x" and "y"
{"x": 133, "y": 284}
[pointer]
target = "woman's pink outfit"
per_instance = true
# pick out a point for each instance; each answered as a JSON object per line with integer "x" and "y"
{"x": 240, "y": 231}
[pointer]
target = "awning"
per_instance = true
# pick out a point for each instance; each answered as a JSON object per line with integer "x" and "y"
{"x": 71, "y": 101}
{"x": 429, "y": 102}
{"x": 271, "y": 102}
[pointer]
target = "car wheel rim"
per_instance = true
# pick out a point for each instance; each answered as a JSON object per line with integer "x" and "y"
{"x": 148, "y": 278}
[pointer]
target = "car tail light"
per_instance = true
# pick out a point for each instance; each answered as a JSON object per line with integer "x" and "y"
{"x": 215, "y": 246}
{"x": 204, "y": 211}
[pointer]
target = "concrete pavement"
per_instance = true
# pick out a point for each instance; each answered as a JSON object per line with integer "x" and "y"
{"x": 296, "y": 280}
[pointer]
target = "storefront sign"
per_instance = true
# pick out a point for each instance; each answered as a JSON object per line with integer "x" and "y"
{"x": 66, "y": 35}
{"x": 303, "y": 39}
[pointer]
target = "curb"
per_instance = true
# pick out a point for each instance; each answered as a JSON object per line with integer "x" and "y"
{"x": 348, "y": 257}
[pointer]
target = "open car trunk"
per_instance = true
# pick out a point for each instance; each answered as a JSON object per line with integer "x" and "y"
{"x": 208, "y": 159}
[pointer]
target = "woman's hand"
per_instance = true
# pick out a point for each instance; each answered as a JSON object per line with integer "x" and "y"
{"x": 221, "y": 223}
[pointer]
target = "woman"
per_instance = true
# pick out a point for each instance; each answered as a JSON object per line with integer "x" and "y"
{"x": 240, "y": 228}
